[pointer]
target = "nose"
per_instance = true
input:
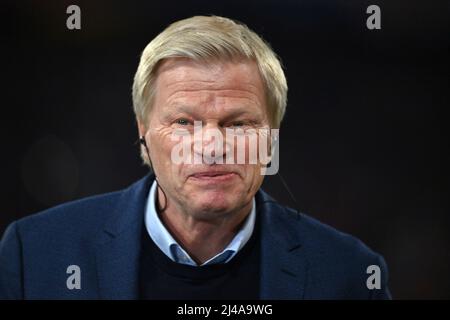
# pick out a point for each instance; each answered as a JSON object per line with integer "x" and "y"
{"x": 209, "y": 144}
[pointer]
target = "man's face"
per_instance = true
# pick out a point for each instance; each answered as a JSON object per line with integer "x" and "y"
{"x": 221, "y": 95}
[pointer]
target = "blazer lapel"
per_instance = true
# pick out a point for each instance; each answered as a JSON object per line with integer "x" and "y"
{"x": 283, "y": 263}
{"x": 118, "y": 248}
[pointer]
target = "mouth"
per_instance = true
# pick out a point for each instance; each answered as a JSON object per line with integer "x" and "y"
{"x": 213, "y": 176}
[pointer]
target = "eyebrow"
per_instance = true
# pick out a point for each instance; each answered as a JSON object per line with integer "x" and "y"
{"x": 183, "y": 108}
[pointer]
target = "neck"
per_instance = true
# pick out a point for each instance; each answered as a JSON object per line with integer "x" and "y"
{"x": 202, "y": 239}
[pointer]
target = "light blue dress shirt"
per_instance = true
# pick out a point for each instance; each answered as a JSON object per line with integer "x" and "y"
{"x": 172, "y": 249}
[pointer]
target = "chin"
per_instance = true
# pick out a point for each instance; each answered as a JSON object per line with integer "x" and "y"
{"x": 214, "y": 203}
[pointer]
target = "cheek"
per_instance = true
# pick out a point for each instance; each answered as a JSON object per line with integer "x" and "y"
{"x": 161, "y": 153}
{"x": 253, "y": 178}
{"x": 160, "y": 150}
{"x": 161, "y": 142}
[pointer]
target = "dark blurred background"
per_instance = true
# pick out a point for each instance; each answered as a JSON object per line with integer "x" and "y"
{"x": 363, "y": 144}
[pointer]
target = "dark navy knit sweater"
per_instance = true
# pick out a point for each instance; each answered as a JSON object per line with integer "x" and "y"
{"x": 162, "y": 278}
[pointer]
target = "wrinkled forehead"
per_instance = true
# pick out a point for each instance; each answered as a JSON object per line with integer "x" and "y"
{"x": 239, "y": 71}
{"x": 181, "y": 78}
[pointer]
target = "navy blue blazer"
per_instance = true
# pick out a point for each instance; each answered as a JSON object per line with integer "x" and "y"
{"x": 301, "y": 258}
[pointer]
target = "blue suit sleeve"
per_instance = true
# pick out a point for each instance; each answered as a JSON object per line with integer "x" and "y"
{"x": 11, "y": 264}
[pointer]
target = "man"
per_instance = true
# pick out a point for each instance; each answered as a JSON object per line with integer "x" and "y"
{"x": 192, "y": 230}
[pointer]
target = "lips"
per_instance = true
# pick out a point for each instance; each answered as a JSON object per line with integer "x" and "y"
{"x": 210, "y": 174}
{"x": 213, "y": 176}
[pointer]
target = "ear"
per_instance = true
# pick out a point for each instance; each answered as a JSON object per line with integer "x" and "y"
{"x": 273, "y": 141}
{"x": 142, "y": 129}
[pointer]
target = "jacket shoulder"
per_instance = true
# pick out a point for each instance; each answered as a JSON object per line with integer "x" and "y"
{"x": 328, "y": 239}
{"x": 339, "y": 264}
{"x": 85, "y": 215}
{"x": 314, "y": 234}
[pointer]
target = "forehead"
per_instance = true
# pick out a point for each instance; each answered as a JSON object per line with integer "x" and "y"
{"x": 183, "y": 76}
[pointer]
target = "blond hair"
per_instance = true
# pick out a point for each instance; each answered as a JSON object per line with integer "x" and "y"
{"x": 206, "y": 38}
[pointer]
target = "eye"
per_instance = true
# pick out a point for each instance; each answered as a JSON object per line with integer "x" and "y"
{"x": 182, "y": 122}
{"x": 238, "y": 124}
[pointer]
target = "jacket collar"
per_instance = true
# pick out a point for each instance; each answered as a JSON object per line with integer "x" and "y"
{"x": 283, "y": 267}
{"x": 119, "y": 244}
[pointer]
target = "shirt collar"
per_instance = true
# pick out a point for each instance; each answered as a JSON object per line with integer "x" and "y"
{"x": 172, "y": 249}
